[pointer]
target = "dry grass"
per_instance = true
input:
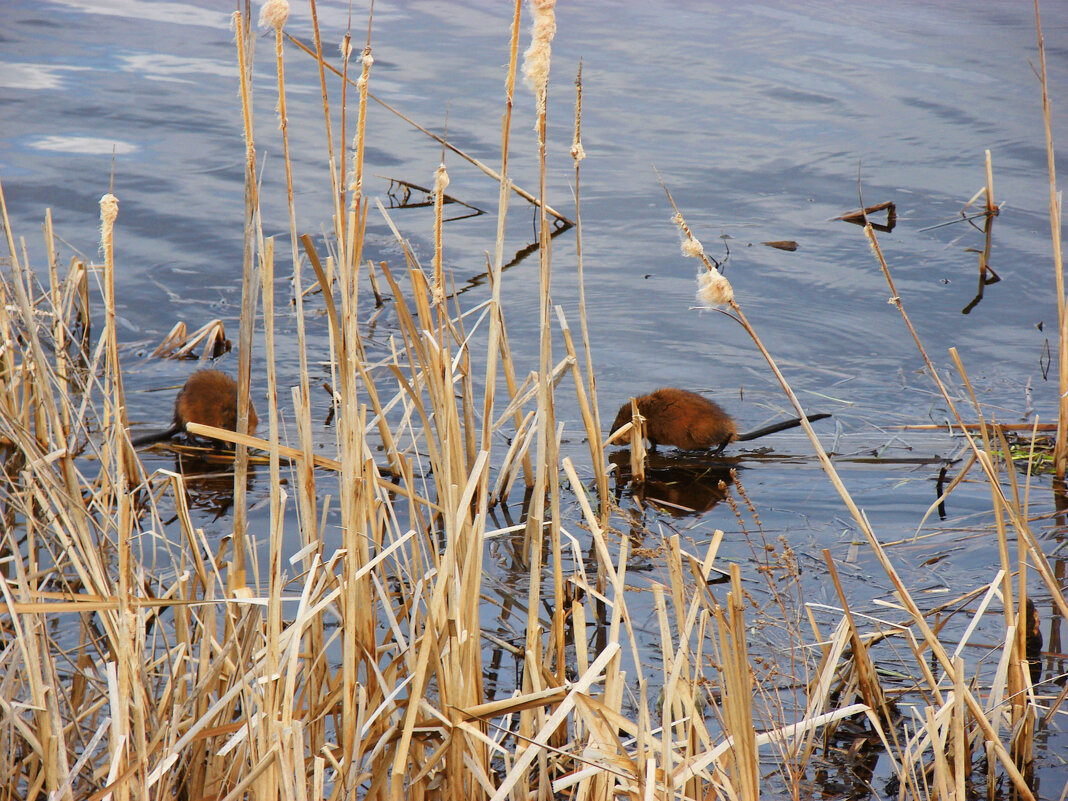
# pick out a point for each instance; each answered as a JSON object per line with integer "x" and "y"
{"x": 139, "y": 661}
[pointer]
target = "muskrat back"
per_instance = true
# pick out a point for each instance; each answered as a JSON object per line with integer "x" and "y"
{"x": 690, "y": 421}
{"x": 681, "y": 418}
{"x": 209, "y": 397}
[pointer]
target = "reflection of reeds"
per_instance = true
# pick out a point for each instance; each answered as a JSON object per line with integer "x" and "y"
{"x": 189, "y": 668}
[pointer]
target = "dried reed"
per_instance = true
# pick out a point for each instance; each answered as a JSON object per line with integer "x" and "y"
{"x": 194, "y": 670}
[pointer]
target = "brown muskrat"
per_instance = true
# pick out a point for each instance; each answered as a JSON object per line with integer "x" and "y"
{"x": 692, "y": 422}
{"x": 209, "y": 397}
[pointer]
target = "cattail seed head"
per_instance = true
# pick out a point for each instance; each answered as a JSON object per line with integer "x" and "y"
{"x": 537, "y": 56}
{"x": 713, "y": 290}
{"x": 109, "y": 209}
{"x": 441, "y": 178}
{"x": 691, "y": 248}
{"x": 274, "y": 14}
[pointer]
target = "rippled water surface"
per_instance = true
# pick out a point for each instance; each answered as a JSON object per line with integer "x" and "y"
{"x": 765, "y": 120}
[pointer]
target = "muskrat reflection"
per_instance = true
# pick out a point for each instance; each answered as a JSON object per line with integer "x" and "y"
{"x": 209, "y": 481}
{"x": 678, "y": 486}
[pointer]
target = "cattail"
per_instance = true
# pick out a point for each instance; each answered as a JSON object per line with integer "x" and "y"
{"x": 537, "y": 56}
{"x": 713, "y": 290}
{"x": 274, "y": 14}
{"x": 109, "y": 212}
{"x": 441, "y": 182}
{"x": 692, "y": 248}
{"x": 368, "y": 61}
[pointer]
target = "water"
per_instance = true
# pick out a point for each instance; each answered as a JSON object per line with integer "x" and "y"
{"x": 758, "y": 117}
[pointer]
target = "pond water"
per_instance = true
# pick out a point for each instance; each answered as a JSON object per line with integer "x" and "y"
{"x": 759, "y": 117}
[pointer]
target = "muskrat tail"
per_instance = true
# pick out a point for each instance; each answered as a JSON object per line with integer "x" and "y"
{"x": 793, "y": 422}
{"x": 156, "y": 436}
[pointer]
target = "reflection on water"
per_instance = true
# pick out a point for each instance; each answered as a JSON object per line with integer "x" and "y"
{"x": 675, "y": 484}
{"x": 208, "y": 479}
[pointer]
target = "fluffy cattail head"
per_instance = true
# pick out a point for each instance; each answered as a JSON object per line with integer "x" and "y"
{"x": 274, "y": 14}
{"x": 109, "y": 209}
{"x": 713, "y": 290}
{"x": 537, "y": 56}
{"x": 692, "y": 248}
{"x": 441, "y": 179}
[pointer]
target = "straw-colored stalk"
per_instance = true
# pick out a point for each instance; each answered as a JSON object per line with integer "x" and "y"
{"x": 441, "y": 182}
{"x": 591, "y": 416}
{"x": 237, "y": 578}
{"x": 1060, "y": 454}
{"x": 738, "y": 691}
{"x": 336, "y": 181}
{"x": 547, "y": 482}
{"x": 305, "y": 477}
{"x": 497, "y": 340}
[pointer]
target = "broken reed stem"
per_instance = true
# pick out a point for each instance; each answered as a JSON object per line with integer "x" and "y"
{"x": 867, "y": 677}
{"x": 59, "y": 329}
{"x": 1060, "y": 453}
{"x": 441, "y": 181}
{"x": 637, "y": 444}
{"x": 588, "y": 410}
{"x": 341, "y": 222}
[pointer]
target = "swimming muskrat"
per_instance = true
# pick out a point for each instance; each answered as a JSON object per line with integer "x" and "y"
{"x": 692, "y": 422}
{"x": 209, "y": 397}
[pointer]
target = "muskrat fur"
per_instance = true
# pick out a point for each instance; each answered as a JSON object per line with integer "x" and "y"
{"x": 209, "y": 397}
{"x": 692, "y": 422}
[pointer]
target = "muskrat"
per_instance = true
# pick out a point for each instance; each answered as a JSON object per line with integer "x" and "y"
{"x": 209, "y": 397}
{"x": 692, "y": 422}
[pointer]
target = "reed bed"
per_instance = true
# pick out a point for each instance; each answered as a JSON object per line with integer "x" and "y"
{"x": 335, "y": 645}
